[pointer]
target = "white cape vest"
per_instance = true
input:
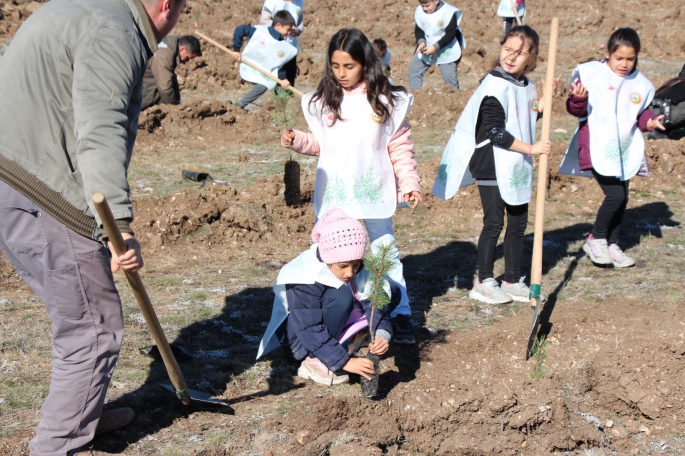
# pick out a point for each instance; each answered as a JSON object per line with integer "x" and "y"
{"x": 514, "y": 170}
{"x": 434, "y": 25}
{"x": 505, "y": 9}
{"x": 354, "y": 171}
{"x": 294, "y": 7}
{"x": 267, "y": 52}
{"x": 617, "y": 147}
{"x": 305, "y": 269}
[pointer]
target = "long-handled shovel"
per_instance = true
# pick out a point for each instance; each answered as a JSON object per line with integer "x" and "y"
{"x": 536, "y": 270}
{"x": 280, "y": 82}
{"x": 175, "y": 374}
{"x": 516, "y": 12}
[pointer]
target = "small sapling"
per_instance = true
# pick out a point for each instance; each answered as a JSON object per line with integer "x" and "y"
{"x": 284, "y": 117}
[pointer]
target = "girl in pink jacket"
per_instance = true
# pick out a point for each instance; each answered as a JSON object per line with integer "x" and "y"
{"x": 366, "y": 166}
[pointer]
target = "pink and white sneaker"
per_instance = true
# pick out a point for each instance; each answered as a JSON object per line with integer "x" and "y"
{"x": 313, "y": 369}
{"x": 620, "y": 259}
{"x": 597, "y": 250}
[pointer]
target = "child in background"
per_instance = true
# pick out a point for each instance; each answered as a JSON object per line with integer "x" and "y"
{"x": 439, "y": 42}
{"x": 381, "y": 48}
{"x": 295, "y": 8}
{"x": 506, "y": 12}
{"x": 610, "y": 99}
{"x": 357, "y": 127}
{"x": 321, "y": 300}
{"x": 492, "y": 144}
{"x": 267, "y": 48}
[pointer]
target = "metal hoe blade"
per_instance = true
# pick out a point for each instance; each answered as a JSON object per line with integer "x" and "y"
{"x": 197, "y": 395}
{"x": 534, "y": 294}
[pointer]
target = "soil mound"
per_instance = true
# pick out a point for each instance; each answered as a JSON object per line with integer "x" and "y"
{"x": 590, "y": 398}
{"x": 221, "y": 215}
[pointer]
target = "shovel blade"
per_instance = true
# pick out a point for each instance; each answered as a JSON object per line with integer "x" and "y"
{"x": 536, "y": 322}
{"x": 199, "y": 396}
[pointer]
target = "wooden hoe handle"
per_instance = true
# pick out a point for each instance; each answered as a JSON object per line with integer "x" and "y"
{"x": 251, "y": 64}
{"x": 536, "y": 271}
{"x": 143, "y": 299}
{"x": 516, "y": 12}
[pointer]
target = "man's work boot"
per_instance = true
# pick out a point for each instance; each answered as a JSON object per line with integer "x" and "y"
{"x": 114, "y": 419}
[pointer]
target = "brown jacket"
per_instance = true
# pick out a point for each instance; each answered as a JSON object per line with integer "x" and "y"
{"x": 160, "y": 84}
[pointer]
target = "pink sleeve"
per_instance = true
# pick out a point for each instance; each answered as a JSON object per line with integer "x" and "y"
{"x": 305, "y": 143}
{"x": 644, "y": 117}
{"x": 401, "y": 150}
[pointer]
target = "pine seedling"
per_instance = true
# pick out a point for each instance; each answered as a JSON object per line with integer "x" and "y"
{"x": 378, "y": 265}
{"x": 539, "y": 354}
{"x": 283, "y": 114}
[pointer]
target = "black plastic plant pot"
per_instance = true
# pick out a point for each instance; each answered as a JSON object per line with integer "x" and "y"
{"x": 370, "y": 387}
{"x": 291, "y": 179}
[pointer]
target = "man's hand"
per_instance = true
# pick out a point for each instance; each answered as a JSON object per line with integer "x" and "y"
{"x": 132, "y": 260}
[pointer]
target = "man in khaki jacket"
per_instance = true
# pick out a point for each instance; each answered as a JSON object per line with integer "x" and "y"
{"x": 160, "y": 85}
{"x": 69, "y": 104}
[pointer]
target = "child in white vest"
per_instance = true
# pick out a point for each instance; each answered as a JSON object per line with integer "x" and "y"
{"x": 267, "y": 48}
{"x": 384, "y": 55}
{"x": 321, "y": 303}
{"x": 506, "y": 12}
{"x": 366, "y": 166}
{"x": 439, "y": 42}
{"x": 295, "y": 8}
{"x": 492, "y": 144}
{"x": 611, "y": 99}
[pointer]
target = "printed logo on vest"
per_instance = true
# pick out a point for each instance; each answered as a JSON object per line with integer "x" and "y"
{"x": 263, "y": 43}
{"x": 635, "y": 98}
{"x": 281, "y": 53}
{"x": 440, "y": 23}
{"x": 376, "y": 118}
{"x": 535, "y": 105}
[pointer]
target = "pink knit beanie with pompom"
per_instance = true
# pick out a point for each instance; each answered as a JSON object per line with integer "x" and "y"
{"x": 340, "y": 237}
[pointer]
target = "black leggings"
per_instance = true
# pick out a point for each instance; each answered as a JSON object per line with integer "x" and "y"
{"x": 493, "y": 222}
{"x": 610, "y": 215}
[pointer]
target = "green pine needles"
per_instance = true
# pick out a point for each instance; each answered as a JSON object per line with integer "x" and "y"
{"x": 283, "y": 114}
{"x": 539, "y": 354}
{"x": 378, "y": 265}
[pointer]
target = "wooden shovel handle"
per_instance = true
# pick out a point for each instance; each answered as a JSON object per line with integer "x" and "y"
{"x": 536, "y": 270}
{"x": 516, "y": 12}
{"x": 143, "y": 299}
{"x": 251, "y": 64}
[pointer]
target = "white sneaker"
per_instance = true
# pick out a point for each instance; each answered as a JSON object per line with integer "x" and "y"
{"x": 597, "y": 250}
{"x": 489, "y": 292}
{"x": 620, "y": 259}
{"x": 313, "y": 369}
{"x": 518, "y": 291}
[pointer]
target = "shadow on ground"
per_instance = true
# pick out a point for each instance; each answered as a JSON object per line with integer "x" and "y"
{"x": 224, "y": 347}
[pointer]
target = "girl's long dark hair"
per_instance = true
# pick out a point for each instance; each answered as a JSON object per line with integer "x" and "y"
{"x": 329, "y": 91}
{"x": 669, "y": 85}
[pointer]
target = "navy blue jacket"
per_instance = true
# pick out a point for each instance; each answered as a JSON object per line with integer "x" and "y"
{"x": 306, "y": 332}
{"x": 248, "y": 30}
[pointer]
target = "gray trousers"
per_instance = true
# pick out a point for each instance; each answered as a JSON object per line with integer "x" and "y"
{"x": 71, "y": 275}
{"x": 250, "y": 97}
{"x": 417, "y": 69}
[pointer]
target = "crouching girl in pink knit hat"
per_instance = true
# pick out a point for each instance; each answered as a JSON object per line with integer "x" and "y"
{"x": 320, "y": 304}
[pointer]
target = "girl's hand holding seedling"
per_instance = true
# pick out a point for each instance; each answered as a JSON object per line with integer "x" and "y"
{"x": 414, "y": 197}
{"x": 287, "y": 138}
{"x": 578, "y": 90}
{"x": 360, "y": 366}
{"x": 653, "y": 124}
{"x": 379, "y": 346}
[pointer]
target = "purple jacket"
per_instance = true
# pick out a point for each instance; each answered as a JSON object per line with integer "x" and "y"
{"x": 577, "y": 107}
